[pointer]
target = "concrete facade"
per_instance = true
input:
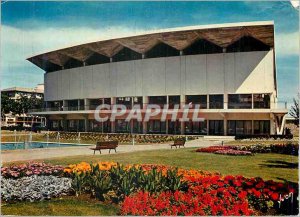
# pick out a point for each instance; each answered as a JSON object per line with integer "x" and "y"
{"x": 223, "y": 73}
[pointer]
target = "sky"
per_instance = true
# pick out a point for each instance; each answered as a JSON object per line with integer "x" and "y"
{"x": 31, "y": 28}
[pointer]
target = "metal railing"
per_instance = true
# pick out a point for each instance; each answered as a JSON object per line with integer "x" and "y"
{"x": 212, "y": 105}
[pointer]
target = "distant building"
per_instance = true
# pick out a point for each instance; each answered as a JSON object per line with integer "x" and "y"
{"x": 16, "y": 92}
{"x": 227, "y": 69}
{"x": 24, "y": 120}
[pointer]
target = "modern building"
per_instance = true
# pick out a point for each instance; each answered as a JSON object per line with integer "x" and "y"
{"x": 24, "y": 120}
{"x": 228, "y": 69}
{"x": 16, "y": 92}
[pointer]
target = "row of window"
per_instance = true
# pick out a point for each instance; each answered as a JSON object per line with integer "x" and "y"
{"x": 216, "y": 101}
{"x": 201, "y": 46}
{"x": 215, "y": 127}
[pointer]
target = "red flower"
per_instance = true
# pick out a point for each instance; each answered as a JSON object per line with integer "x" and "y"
{"x": 274, "y": 196}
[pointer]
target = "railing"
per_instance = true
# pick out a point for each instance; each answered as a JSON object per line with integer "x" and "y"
{"x": 213, "y": 105}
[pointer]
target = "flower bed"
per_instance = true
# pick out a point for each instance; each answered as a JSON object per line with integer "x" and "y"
{"x": 233, "y": 152}
{"x": 225, "y": 150}
{"x": 120, "y": 137}
{"x": 213, "y": 149}
{"x": 30, "y": 169}
{"x": 149, "y": 189}
{"x": 34, "y": 188}
{"x": 290, "y": 148}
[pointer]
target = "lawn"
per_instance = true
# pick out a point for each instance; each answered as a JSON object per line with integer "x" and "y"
{"x": 268, "y": 166}
{"x": 68, "y": 206}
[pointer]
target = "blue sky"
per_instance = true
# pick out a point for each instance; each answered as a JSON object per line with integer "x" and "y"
{"x": 30, "y": 28}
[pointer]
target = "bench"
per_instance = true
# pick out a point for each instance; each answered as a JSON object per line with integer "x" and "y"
{"x": 178, "y": 142}
{"x": 105, "y": 145}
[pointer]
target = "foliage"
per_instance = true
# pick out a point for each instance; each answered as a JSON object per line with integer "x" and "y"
{"x": 210, "y": 195}
{"x": 233, "y": 152}
{"x": 120, "y": 137}
{"x": 21, "y": 105}
{"x": 31, "y": 168}
{"x": 34, "y": 188}
{"x": 225, "y": 150}
{"x": 289, "y": 148}
{"x": 294, "y": 112}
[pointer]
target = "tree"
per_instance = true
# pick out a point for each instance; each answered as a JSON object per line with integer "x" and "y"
{"x": 294, "y": 112}
{"x": 7, "y": 105}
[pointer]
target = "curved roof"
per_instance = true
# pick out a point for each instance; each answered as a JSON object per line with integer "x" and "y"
{"x": 221, "y": 35}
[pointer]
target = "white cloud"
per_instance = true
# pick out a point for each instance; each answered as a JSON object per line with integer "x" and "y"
{"x": 287, "y": 43}
{"x": 18, "y": 44}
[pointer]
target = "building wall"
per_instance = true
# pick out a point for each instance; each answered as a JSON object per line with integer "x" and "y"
{"x": 180, "y": 75}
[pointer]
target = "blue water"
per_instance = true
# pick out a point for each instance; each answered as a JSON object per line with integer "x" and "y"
{"x": 34, "y": 145}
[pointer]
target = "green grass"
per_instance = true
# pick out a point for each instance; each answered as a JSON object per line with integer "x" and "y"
{"x": 60, "y": 207}
{"x": 268, "y": 166}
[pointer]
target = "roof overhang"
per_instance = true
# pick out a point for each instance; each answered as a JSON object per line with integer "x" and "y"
{"x": 222, "y": 35}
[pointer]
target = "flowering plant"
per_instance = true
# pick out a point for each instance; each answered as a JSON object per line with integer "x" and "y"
{"x": 233, "y": 152}
{"x": 29, "y": 169}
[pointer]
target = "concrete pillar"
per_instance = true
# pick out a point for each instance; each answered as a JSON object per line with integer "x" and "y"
{"x": 252, "y": 101}
{"x": 225, "y": 125}
{"x": 111, "y": 59}
{"x": 207, "y": 127}
{"x": 225, "y": 100}
{"x": 86, "y": 104}
{"x": 86, "y": 123}
{"x": 181, "y": 53}
{"x": 143, "y": 56}
{"x": 65, "y": 105}
{"x": 145, "y": 127}
{"x": 182, "y": 127}
{"x": 224, "y": 49}
{"x": 113, "y": 127}
{"x": 207, "y": 101}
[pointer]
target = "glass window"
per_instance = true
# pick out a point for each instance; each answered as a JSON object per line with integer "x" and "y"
{"x": 158, "y": 100}
{"x": 137, "y": 127}
{"x": 262, "y": 127}
{"x": 216, "y": 127}
{"x": 193, "y": 100}
{"x": 174, "y": 100}
{"x": 239, "y": 127}
{"x": 239, "y": 101}
{"x": 122, "y": 126}
{"x": 198, "y": 128}
{"x": 174, "y": 127}
{"x": 138, "y": 100}
{"x": 127, "y": 101}
{"x": 216, "y": 101}
{"x": 156, "y": 126}
{"x": 261, "y": 100}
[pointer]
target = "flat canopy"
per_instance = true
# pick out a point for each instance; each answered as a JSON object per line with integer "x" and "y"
{"x": 221, "y": 35}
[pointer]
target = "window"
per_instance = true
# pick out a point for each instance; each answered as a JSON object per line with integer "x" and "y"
{"x": 193, "y": 100}
{"x": 198, "y": 128}
{"x": 261, "y": 127}
{"x": 174, "y": 100}
{"x": 216, "y": 127}
{"x": 72, "y": 105}
{"x": 137, "y": 126}
{"x": 239, "y": 127}
{"x": 156, "y": 126}
{"x": 123, "y": 126}
{"x": 174, "y": 127}
{"x": 158, "y": 100}
{"x": 103, "y": 127}
{"x": 261, "y": 100}
{"x": 216, "y": 101}
{"x": 127, "y": 101}
{"x": 138, "y": 100}
{"x": 94, "y": 103}
{"x": 239, "y": 101}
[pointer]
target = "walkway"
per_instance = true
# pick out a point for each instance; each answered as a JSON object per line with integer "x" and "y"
{"x": 35, "y": 154}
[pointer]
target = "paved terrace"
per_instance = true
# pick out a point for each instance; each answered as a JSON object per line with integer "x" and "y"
{"x": 35, "y": 154}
